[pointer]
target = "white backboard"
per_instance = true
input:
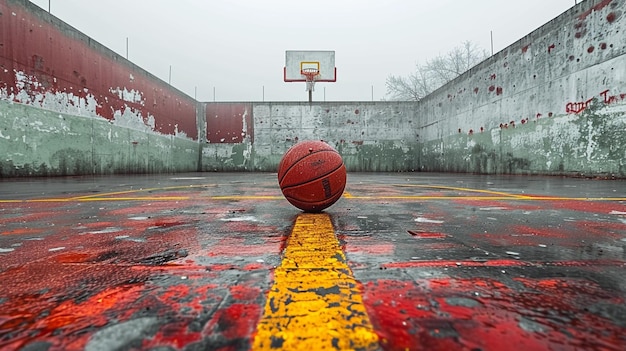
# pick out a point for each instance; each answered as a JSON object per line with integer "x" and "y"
{"x": 296, "y": 61}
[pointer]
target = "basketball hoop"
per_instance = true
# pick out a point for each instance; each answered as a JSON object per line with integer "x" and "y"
{"x": 310, "y": 74}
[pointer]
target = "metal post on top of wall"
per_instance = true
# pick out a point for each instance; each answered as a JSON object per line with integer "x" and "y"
{"x": 49, "y": 5}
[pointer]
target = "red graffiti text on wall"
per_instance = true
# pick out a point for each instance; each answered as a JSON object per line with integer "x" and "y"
{"x": 580, "y": 106}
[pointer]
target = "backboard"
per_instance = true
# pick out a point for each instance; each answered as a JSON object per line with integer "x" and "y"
{"x": 298, "y": 62}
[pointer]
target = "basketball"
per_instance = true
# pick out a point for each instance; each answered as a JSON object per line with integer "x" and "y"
{"x": 312, "y": 175}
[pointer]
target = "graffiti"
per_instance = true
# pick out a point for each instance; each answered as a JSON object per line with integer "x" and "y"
{"x": 578, "y": 107}
{"x": 609, "y": 99}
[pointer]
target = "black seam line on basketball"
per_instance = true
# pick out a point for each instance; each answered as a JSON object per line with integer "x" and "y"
{"x": 301, "y": 158}
{"x": 330, "y": 197}
{"x": 324, "y": 176}
{"x": 308, "y": 181}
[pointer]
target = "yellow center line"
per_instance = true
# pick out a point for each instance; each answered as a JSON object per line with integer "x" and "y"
{"x": 443, "y": 187}
{"x": 479, "y": 198}
{"x": 315, "y": 303}
{"x": 246, "y": 197}
{"x": 135, "y": 198}
{"x": 101, "y": 195}
{"x": 95, "y": 199}
{"x": 496, "y": 195}
{"x": 348, "y": 197}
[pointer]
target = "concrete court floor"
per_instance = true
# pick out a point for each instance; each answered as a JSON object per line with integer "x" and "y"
{"x": 403, "y": 261}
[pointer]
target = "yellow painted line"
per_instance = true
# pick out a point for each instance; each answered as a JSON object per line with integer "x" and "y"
{"x": 479, "y": 198}
{"x": 349, "y": 197}
{"x": 246, "y": 197}
{"x": 112, "y": 196}
{"x": 100, "y": 195}
{"x": 443, "y": 187}
{"x": 315, "y": 303}
{"x": 139, "y": 198}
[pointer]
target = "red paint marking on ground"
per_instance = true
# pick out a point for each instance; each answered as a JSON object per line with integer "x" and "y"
{"x": 239, "y": 247}
{"x": 118, "y": 264}
{"x": 605, "y": 230}
{"x": 438, "y": 246}
{"x": 254, "y": 267}
{"x": 236, "y": 321}
{"x": 47, "y": 317}
{"x": 374, "y": 249}
{"x": 176, "y": 334}
{"x": 519, "y": 235}
{"x": 23, "y": 231}
{"x": 504, "y": 263}
{"x": 244, "y": 293}
{"x": 604, "y": 207}
{"x": 457, "y": 263}
{"x": 483, "y": 313}
{"x": 68, "y": 313}
{"x": 427, "y": 235}
{"x": 73, "y": 257}
{"x": 97, "y": 226}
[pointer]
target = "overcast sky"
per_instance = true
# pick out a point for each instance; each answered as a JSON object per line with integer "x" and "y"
{"x": 237, "y": 47}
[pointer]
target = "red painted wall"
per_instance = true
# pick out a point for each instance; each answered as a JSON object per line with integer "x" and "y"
{"x": 57, "y": 58}
{"x": 229, "y": 123}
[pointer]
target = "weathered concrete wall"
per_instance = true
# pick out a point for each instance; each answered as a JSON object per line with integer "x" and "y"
{"x": 552, "y": 103}
{"x": 54, "y": 70}
{"x": 373, "y": 136}
{"x": 38, "y": 142}
{"x": 369, "y": 136}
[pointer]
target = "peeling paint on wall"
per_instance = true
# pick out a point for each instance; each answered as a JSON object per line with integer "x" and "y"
{"x": 50, "y": 65}
{"x": 229, "y": 123}
{"x": 552, "y": 103}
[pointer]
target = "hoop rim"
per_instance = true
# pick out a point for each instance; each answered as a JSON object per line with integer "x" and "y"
{"x": 285, "y": 79}
{"x": 310, "y": 73}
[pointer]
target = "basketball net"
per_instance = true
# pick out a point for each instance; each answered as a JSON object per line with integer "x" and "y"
{"x": 310, "y": 75}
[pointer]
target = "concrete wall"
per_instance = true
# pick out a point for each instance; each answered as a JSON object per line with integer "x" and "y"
{"x": 66, "y": 99}
{"x": 38, "y": 142}
{"x": 374, "y": 136}
{"x": 552, "y": 103}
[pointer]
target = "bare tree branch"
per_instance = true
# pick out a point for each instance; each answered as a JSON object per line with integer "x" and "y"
{"x": 435, "y": 73}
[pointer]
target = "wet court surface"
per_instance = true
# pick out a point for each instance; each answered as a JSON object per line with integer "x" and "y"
{"x": 214, "y": 261}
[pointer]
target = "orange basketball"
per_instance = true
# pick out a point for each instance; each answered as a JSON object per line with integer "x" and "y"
{"x": 312, "y": 175}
